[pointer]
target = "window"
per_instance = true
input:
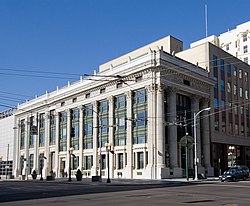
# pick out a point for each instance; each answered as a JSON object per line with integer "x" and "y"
{"x": 140, "y": 96}
{"x": 222, "y": 104}
{"x": 103, "y": 161}
{"x": 235, "y": 71}
{"x": 120, "y": 102}
{"x": 245, "y": 50}
{"x": 104, "y": 125}
{"x": 246, "y": 94}
{"x": 246, "y": 60}
{"x": 62, "y": 103}
{"x": 222, "y": 64}
{"x": 228, "y": 87}
{"x": 74, "y": 99}
{"x": 104, "y": 106}
{"x": 88, "y": 162}
{"x": 89, "y": 110}
{"x": 246, "y": 76}
{"x": 244, "y": 37}
{"x": 228, "y": 70}
{"x": 216, "y": 103}
{"x": 120, "y": 161}
{"x": 236, "y": 44}
{"x": 241, "y": 92}
{"x": 89, "y": 128}
{"x": 140, "y": 160}
{"x": 235, "y": 89}
{"x": 227, "y": 47}
{"x": 240, "y": 73}
{"x": 120, "y": 122}
{"x": 141, "y": 119}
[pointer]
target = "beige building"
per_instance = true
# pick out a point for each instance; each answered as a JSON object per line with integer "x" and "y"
{"x": 229, "y": 120}
{"x": 142, "y": 104}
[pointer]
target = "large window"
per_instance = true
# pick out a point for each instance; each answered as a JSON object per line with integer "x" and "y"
{"x": 63, "y": 131}
{"x": 22, "y": 142}
{"x": 139, "y": 118}
{"x": 41, "y": 130}
{"x": 75, "y": 125}
{"x": 52, "y": 135}
{"x": 88, "y": 127}
{"x": 120, "y": 120}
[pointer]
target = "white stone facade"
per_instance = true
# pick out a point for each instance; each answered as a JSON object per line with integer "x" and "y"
{"x": 134, "y": 103}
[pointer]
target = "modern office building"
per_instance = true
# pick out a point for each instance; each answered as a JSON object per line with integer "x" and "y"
{"x": 141, "y": 106}
{"x": 6, "y": 143}
{"x": 235, "y": 41}
{"x": 230, "y": 123}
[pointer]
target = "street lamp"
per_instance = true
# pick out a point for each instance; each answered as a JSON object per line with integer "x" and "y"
{"x": 71, "y": 149}
{"x": 195, "y": 143}
{"x": 108, "y": 149}
{"x": 42, "y": 157}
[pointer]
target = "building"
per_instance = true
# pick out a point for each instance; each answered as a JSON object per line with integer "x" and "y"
{"x": 235, "y": 41}
{"x": 140, "y": 105}
{"x": 230, "y": 124}
{"x": 6, "y": 143}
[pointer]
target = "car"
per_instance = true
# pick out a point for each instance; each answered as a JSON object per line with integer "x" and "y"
{"x": 235, "y": 173}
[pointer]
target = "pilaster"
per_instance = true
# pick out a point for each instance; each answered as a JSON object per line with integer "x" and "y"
{"x": 172, "y": 129}
{"x": 129, "y": 145}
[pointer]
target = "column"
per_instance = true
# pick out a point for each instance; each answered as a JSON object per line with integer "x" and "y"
{"x": 206, "y": 135}
{"x": 36, "y": 146}
{"x": 95, "y": 139}
{"x": 172, "y": 129}
{"x": 129, "y": 145}
{"x": 160, "y": 129}
{"x": 111, "y": 134}
{"x": 69, "y": 142}
{"x": 46, "y": 144}
{"x": 16, "y": 154}
{"x": 195, "y": 108}
{"x": 57, "y": 162}
{"x": 26, "y": 156}
{"x": 81, "y": 111}
{"x": 151, "y": 167}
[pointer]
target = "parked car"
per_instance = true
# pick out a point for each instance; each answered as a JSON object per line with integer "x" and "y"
{"x": 235, "y": 173}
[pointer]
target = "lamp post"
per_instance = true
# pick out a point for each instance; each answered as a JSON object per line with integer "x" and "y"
{"x": 42, "y": 157}
{"x": 195, "y": 142}
{"x": 71, "y": 149}
{"x": 108, "y": 149}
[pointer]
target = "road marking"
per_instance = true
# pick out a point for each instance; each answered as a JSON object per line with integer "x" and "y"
{"x": 227, "y": 185}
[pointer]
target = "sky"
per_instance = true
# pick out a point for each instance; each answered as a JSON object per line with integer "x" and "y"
{"x": 46, "y": 43}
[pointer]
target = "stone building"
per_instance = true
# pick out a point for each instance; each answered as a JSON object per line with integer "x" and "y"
{"x": 142, "y": 104}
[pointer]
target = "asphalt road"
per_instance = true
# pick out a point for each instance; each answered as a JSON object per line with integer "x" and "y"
{"x": 124, "y": 193}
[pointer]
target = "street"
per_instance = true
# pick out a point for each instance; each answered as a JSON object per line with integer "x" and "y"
{"x": 124, "y": 193}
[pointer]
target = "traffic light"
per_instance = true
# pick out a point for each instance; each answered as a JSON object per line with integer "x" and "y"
{"x": 72, "y": 132}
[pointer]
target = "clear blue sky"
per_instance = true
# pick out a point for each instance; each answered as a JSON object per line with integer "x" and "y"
{"x": 76, "y": 36}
